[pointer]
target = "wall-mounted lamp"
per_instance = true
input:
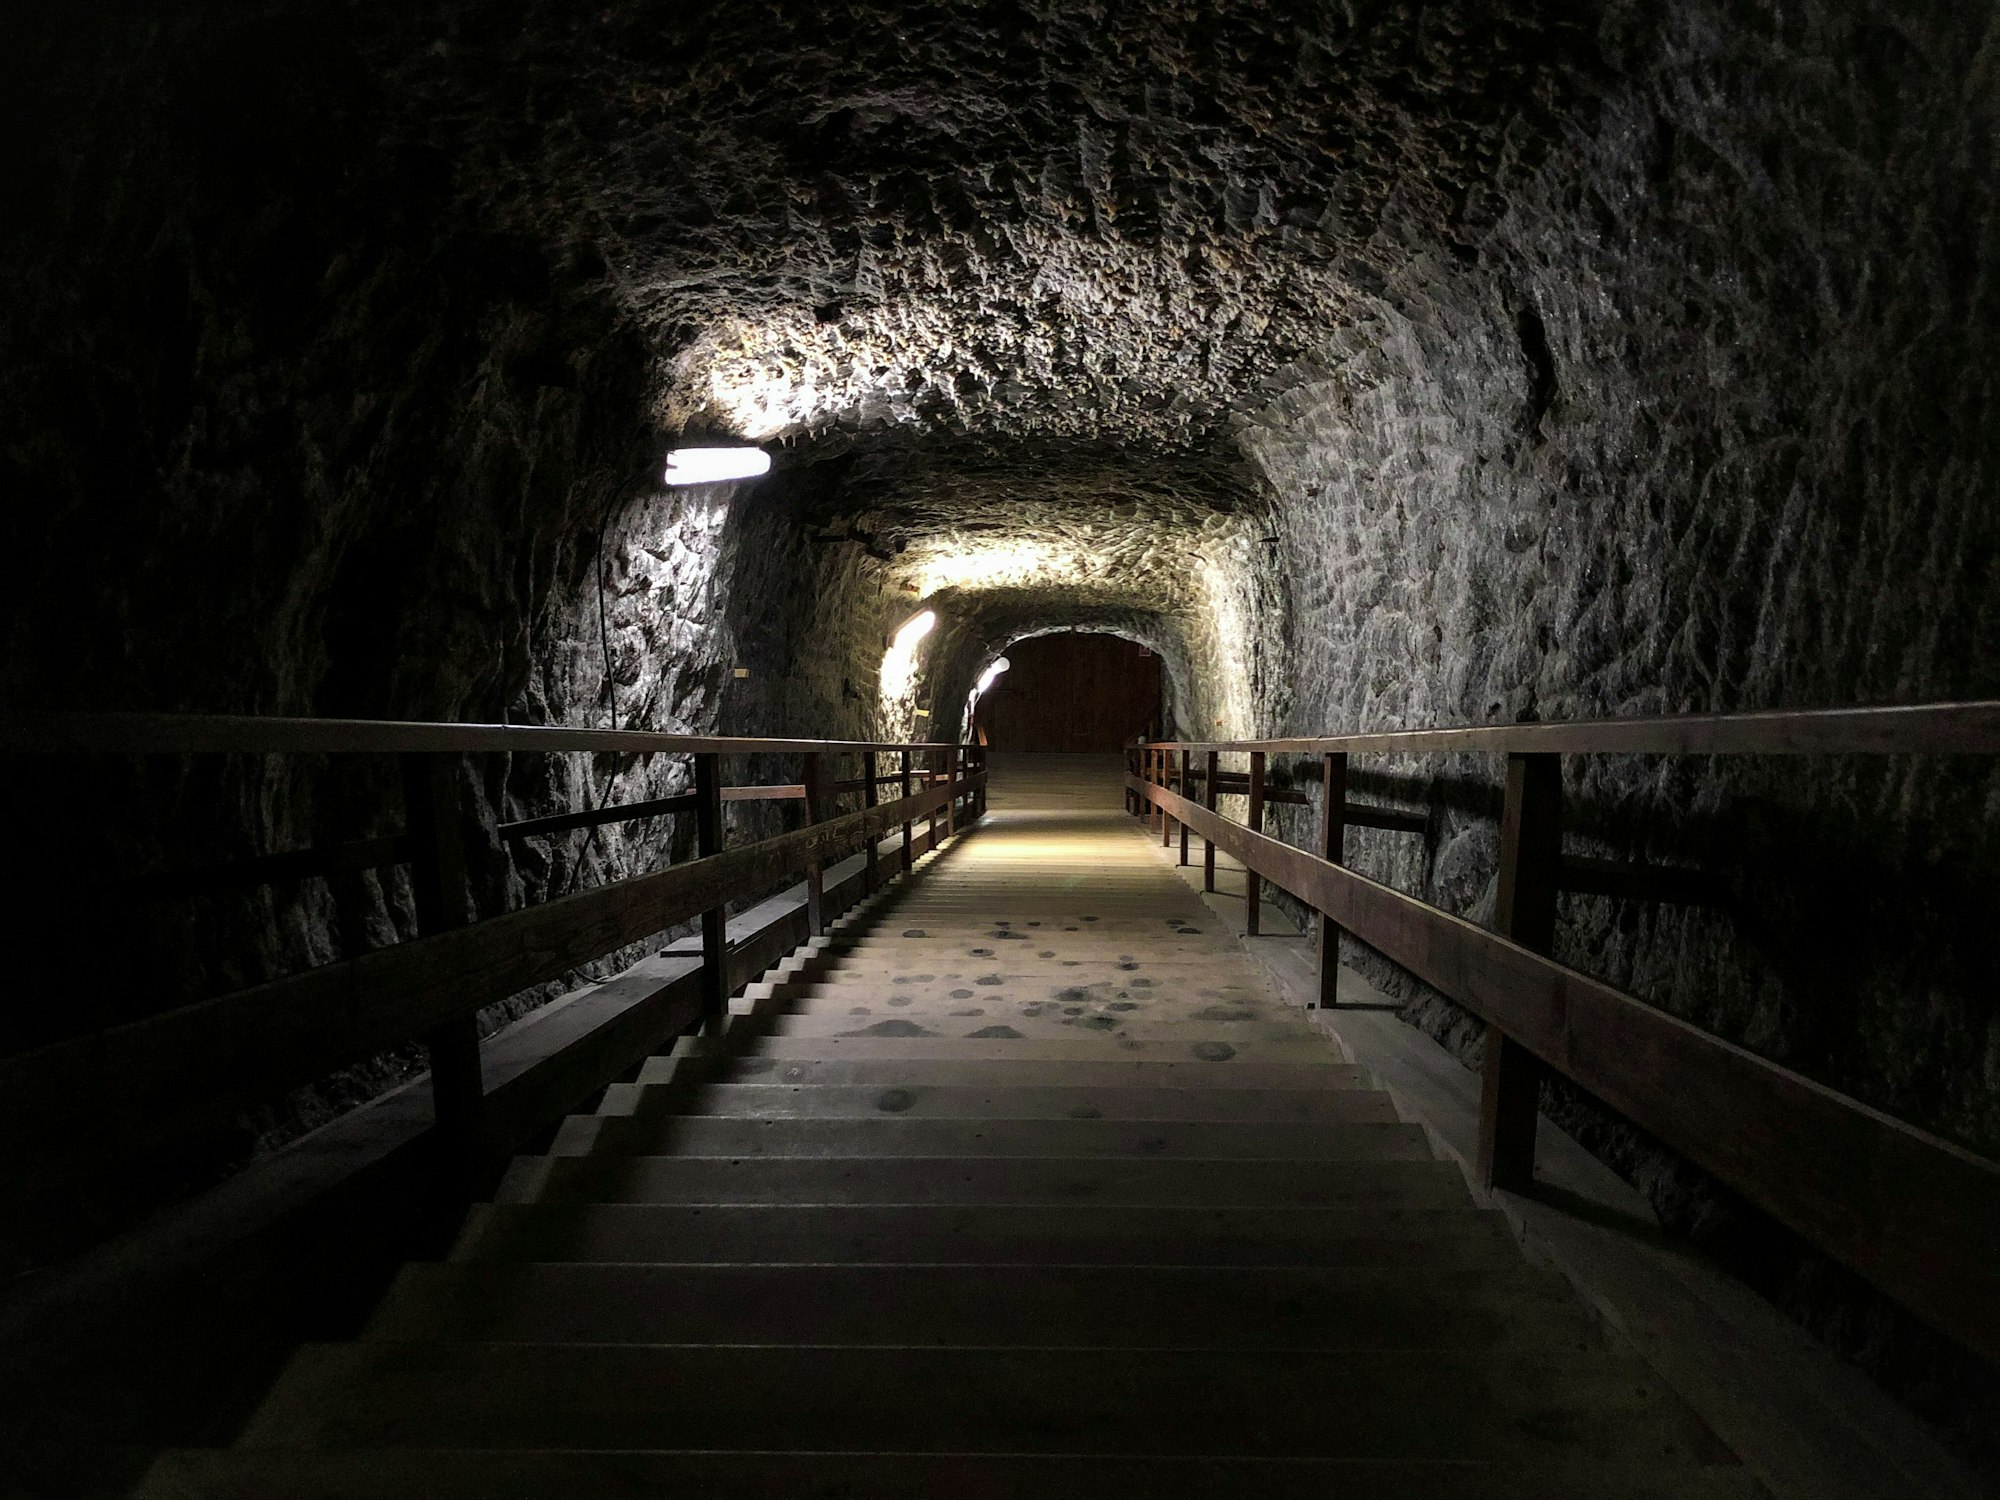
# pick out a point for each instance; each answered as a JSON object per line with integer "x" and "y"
{"x": 714, "y": 465}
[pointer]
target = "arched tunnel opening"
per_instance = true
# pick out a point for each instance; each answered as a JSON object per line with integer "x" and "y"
{"x": 1239, "y": 373}
{"x": 1073, "y": 693}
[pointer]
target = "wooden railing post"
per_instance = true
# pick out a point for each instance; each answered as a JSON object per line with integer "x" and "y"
{"x": 1524, "y": 910}
{"x": 1208, "y": 801}
{"x": 715, "y": 920}
{"x": 1187, "y": 765}
{"x": 437, "y": 878}
{"x": 1253, "y": 883}
{"x": 813, "y": 774}
{"x": 909, "y": 828}
{"x": 950, "y": 759}
{"x": 930, "y": 785}
{"x": 871, "y": 796}
{"x": 1332, "y": 848}
{"x": 1167, "y": 781}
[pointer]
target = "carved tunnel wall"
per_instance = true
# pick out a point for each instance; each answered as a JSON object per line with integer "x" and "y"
{"x": 1378, "y": 365}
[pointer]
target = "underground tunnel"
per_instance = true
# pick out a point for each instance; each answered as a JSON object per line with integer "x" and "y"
{"x": 535, "y": 465}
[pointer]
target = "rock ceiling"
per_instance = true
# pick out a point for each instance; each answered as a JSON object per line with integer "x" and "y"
{"x": 1010, "y": 266}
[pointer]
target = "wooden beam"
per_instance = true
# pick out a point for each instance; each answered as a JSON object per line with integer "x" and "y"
{"x": 1912, "y": 1213}
{"x": 1332, "y": 849}
{"x": 710, "y": 833}
{"x": 1187, "y": 775}
{"x": 617, "y": 812}
{"x": 909, "y": 771}
{"x": 1208, "y": 845}
{"x": 1524, "y": 909}
{"x": 1361, "y": 815}
{"x": 765, "y": 793}
{"x": 1970, "y": 728}
{"x": 817, "y": 799}
{"x": 871, "y": 796}
{"x": 1253, "y": 885}
{"x": 263, "y": 869}
{"x": 443, "y": 901}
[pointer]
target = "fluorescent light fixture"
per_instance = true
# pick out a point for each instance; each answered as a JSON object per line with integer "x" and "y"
{"x": 915, "y": 629}
{"x": 986, "y": 680}
{"x": 714, "y": 465}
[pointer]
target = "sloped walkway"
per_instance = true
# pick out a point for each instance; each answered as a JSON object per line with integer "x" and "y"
{"x": 1023, "y": 1183}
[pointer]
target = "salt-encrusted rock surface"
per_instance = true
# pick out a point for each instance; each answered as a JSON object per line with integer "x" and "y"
{"x": 1379, "y": 364}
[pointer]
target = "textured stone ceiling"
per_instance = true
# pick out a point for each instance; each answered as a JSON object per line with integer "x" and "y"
{"x": 1019, "y": 261}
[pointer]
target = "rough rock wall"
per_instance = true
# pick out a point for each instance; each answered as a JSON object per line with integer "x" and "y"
{"x": 1710, "y": 424}
{"x": 290, "y": 427}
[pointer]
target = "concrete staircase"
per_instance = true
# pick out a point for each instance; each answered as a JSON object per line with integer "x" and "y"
{"x": 1021, "y": 1183}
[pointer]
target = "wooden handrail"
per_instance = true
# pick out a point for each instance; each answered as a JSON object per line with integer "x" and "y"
{"x": 206, "y": 1062}
{"x": 197, "y": 734}
{"x": 136, "y": 1085}
{"x": 1971, "y": 728}
{"x": 1912, "y": 1212}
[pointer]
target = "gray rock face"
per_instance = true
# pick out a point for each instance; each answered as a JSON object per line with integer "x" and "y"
{"x": 1379, "y": 365}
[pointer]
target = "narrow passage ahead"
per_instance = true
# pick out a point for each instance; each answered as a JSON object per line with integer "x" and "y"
{"x": 1023, "y": 1182}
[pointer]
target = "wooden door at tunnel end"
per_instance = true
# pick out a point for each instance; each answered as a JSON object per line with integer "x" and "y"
{"x": 1073, "y": 693}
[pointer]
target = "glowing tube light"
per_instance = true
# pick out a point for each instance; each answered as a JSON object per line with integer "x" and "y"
{"x": 714, "y": 465}
{"x": 915, "y": 629}
{"x": 986, "y": 680}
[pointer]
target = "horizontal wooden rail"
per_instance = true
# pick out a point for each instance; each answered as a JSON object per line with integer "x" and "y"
{"x": 1358, "y": 814}
{"x": 204, "y": 1063}
{"x": 1971, "y": 728}
{"x": 595, "y": 817}
{"x": 192, "y": 734}
{"x": 263, "y": 869}
{"x": 1915, "y": 1214}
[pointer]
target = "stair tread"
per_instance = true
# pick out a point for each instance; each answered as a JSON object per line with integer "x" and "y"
{"x": 1062, "y": 1234}
{"x": 1000, "y": 1067}
{"x": 1496, "y": 1306}
{"x": 897, "y": 1135}
{"x": 962, "y": 1102}
{"x": 744, "y": 1040}
{"x": 539, "y": 1474}
{"x": 1421, "y": 1403}
{"x": 1053, "y": 1022}
{"x": 967, "y": 1179}
{"x": 1020, "y": 1181}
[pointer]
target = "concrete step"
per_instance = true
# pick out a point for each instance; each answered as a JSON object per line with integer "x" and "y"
{"x": 944, "y": 994}
{"x": 438, "y": 1474}
{"x": 1344, "y": 1308}
{"x": 999, "y": 1019}
{"x": 987, "y": 1180}
{"x": 892, "y": 1135}
{"x": 940, "y": 933}
{"x": 1429, "y": 1404}
{"x": 1000, "y": 1068}
{"x": 746, "y": 1039}
{"x": 832, "y": 1102}
{"x": 1168, "y": 976}
{"x": 1007, "y": 1234}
